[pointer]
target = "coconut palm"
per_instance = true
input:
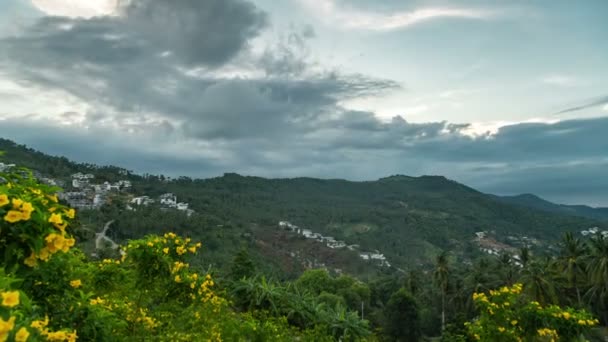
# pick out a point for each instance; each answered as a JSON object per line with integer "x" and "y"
{"x": 441, "y": 277}
{"x": 537, "y": 279}
{"x": 597, "y": 270}
{"x": 570, "y": 262}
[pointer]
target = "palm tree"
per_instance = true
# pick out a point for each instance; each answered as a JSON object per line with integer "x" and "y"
{"x": 570, "y": 262}
{"x": 537, "y": 279}
{"x": 441, "y": 276}
{"x": 597, "y": 269}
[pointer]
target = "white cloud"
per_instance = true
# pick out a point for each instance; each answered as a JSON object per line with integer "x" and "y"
{"x": 606, "y": 108}
{"x": 76, "y": 8}
{"x": 354, "y": 19}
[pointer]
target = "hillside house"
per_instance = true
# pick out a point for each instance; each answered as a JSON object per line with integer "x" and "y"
{"x": 169, "y": 200}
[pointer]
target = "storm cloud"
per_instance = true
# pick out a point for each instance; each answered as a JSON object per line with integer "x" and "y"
{"x": 192, "y": 88}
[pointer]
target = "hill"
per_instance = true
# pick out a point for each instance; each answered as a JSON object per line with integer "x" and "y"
{"x": 405, "y": 220}
{"x": 535, "y": 202}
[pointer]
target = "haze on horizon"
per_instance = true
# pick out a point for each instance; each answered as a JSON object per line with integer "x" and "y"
{"x": 505, "y": 96}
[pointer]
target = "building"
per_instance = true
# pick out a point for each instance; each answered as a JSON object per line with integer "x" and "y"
{"x": 169, "y": 200}
{"x": 142, "y": 200}
{"x": 6, "y": 167}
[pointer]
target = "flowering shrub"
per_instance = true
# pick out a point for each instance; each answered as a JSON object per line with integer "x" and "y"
{"x": 150, "y": 293}
{"x": 506, "y": 316}
{"x": 33, "y": 225}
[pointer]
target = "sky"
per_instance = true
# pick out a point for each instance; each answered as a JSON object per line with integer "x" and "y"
{"x": 508, "y": 97}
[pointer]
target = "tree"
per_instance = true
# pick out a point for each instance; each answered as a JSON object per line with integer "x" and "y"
{"x": 570, "y": 262}
{"x": 441, "y": 275}
{"x": 242, "y": 266}
{"x": 537, "y": 279}
{"x": 402, "y": 317}
{"x": 598, "y": 276}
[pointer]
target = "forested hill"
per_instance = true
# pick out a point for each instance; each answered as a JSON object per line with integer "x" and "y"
{"x": 408, "y": 219}
{"x": 533, "y": 201}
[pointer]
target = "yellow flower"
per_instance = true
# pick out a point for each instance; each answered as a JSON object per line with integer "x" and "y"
{"x": 17, "y": 203}
{"x": 6, "y": 326}
{"x": 178, "y": 279}
{"x": 13, "y": 216}
{"x": 54, "y": 242}
{"x": 180, "y": 250}
{"x": 44, "y": 254}
{"x": 514, "y": 322}
{"x": 3, "y": 200}
{"x": 501, "y": 329}
{"x": 97, "y": 301}
{"x": 582, "y": 322}
{"x": 31, "y": 260}
{"x": 566, "y": 315}
{"x": 40, "y": 324}
{"x": 56, "y": 219}
{"x": 70, "y": 213}
{"x": 27, "y": 207}
{"x": 76, "y": 283}
{"x": 166, "y": 250}
{"x": 53, "y": 198}
{"x": 71, "y": 337}
{"x": 61, "y": 227}
{"x": 10, "y": 299}
{"x": 150, "y": 244}
{"x": 26, "y": 215}
{"x": 192, "y": 249}
{"x": 22, "y": 335}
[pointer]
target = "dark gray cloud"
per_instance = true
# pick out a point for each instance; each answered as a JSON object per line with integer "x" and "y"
{"x": 172, "y": 87}
{"x": 198, "y": 32}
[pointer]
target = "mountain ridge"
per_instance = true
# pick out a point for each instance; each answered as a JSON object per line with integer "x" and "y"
{"x": 409, "y": 219}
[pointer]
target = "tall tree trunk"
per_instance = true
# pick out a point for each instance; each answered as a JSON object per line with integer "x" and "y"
{"x": 442, "y": 312}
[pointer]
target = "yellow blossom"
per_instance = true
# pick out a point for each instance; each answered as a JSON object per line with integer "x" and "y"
{"x": 180, "y": 250}
{"x": 514, "y": 322}
{"x": 17, "y": 203}
{"x": 501, "y": 329}
{"x": 71, "y": 213}
{"x": 53, "y": 198}
{"x": 22, "y": 335}
{"x": 56, "y": 219}
{"x": 27, "y": 207}
{"x": 40, "y": 324}
{"x": 76, "y": 283}
{"x": 166, "y": 250}
{"x": 3, "y": 200}
{"x": 10, "y": 298}
{"x": 566, "y": 315}
{"x": 178, "y": 279}
{"x": 44, "y": 254}
{"x": 13, "y": 216}
{"x": 6, "y": 326}
{"x": 31, "y": 260}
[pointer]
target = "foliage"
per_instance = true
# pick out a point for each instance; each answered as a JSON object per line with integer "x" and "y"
{"x": 51, "y": 291}
{"x": 402, "y": 317}
{"x": 504, "y": 315}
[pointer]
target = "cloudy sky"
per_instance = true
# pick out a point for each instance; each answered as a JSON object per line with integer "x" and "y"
{"x": 505, "y": 96}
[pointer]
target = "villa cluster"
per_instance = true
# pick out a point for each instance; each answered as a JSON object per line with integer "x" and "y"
{"x": 166, "y": 201}
{"x": 594, "y": 231}
{"x": 334, "y": 244}
{"x": 5, "y": 167}
{"x": 87, "y": 195}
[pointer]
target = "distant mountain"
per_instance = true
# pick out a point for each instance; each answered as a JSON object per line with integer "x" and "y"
{"x": 408, "y": 219}
{"x": 535, "y": 202}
